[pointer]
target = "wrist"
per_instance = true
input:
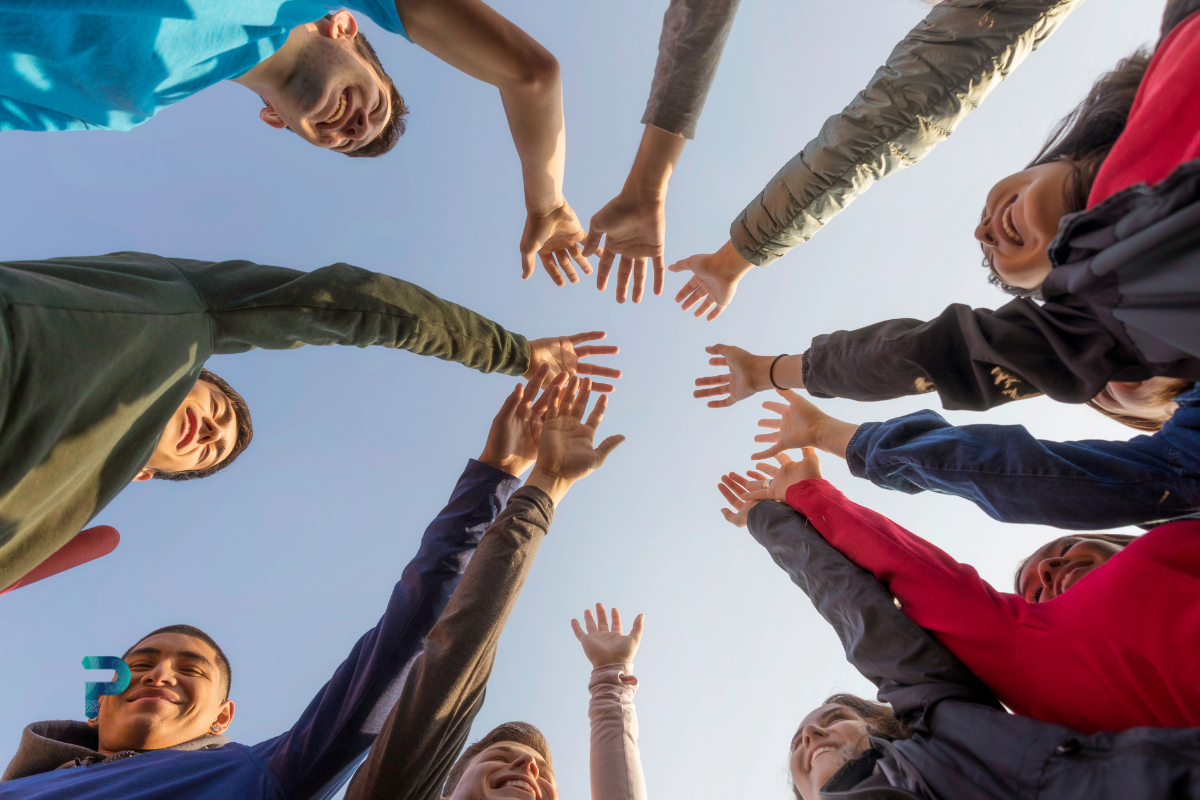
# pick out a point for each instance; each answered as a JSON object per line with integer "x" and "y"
{"x": 512, "y": 464}
{"x": 834, "y": 436}
{"x": 730, "y": 264}
{"x": 544, "y": 205}
{"x": 653, "y": 166}
{"x": 553, "y": 485}
{"x": 789, "y": 372}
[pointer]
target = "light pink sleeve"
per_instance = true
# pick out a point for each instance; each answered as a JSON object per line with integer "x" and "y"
{"x": 616, "y": 762}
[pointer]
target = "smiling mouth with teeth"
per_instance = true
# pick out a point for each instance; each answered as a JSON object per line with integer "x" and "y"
{"x": 1009, "y": 228}
{"x": 519, "y": 784}
{"x": 337, "y": 112}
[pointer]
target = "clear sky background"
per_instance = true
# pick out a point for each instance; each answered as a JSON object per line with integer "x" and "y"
{"x": 289, "y": 556}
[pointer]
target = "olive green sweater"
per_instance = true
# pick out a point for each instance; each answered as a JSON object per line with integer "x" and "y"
{"x": 97, "y": 353}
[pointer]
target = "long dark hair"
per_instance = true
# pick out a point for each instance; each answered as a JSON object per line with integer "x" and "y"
{"x": 1084, "y": 137}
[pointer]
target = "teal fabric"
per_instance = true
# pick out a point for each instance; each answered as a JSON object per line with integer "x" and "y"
{"x": 113, "y": 64}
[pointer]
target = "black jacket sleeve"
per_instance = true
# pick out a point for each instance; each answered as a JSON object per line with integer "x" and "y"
{"x": 912, "y": 669}
{"x": 975, "y": 358}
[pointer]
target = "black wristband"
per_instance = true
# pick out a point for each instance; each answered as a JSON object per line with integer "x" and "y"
{"x": 771, "y": 372}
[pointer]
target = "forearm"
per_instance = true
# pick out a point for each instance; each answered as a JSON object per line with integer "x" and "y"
{"x": 345, "y": 717}
{"x": 253, "y": 305}
{"x": 1013, "y": 477}
{"x": 654, "y": 164}
{"x": 616, "y": 763}
{"x": 689, "y": 50}
{"x": 932, "y": 79}
{"x": 974, "y": 358}
{"x": 535, "y": 119}
{"x": 443, "y": 692}
{"x": 880, "y": 641}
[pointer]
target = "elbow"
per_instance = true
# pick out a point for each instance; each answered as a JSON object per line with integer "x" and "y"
{"x": 535, "y": 73}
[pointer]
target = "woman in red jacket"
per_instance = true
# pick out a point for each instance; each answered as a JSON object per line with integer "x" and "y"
{"x": 1101, "y": 636}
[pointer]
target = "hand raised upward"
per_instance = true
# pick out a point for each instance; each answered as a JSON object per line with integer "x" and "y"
{"x": 566, "y": 354}
{"x": 608, "y": 645}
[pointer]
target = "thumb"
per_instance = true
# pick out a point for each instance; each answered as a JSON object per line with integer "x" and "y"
{"x": 592, "y": 243}
{"x": 683, "y": 265}
{"x": 790, "y": 396}
{"x": 527, "y": 264}
{"x": 770, "y": 451}
{"x": 608, "y": 445}
{"x": 635, "y": 633}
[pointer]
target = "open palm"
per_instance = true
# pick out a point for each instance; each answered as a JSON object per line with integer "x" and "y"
{"x": 566, "y": 354}
{"x": 603, "y": 644}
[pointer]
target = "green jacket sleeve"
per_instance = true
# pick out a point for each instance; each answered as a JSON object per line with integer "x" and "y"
{"x": 253, "y": 305}
{"x": 941, "y": 72}
{"x": 429, "y": 725}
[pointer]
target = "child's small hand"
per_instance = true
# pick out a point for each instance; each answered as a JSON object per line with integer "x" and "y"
{"x": 603, "y": 645}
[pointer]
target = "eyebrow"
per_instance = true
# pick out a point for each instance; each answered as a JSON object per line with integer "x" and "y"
{"x": 182, "y": 653}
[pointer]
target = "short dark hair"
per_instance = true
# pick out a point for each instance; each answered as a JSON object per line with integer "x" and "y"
{"x": 881, "y": 721}
{"x": 519, "y": 732}
{"x": 1084, "y": 137}
{"x": 195, "y": 633}
{"x": 245, "y": 432}
{"x": 395, "y": 126}
{"x": 1166, "y": 394}
{"x": 1122, "y": 539}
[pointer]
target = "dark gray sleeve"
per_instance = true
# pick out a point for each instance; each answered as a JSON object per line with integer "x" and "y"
{"x": 911, "y": 668}
{"x": 428, "y": 727}
{"x": 689, "y": 50}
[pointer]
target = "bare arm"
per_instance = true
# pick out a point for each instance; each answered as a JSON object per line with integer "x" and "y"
{"x": 474, "y": 38}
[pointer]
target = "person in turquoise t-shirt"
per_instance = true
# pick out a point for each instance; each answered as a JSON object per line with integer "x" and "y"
{"x": 112, "y": 65}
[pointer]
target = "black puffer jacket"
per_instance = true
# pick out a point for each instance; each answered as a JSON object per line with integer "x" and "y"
{"x": 1122, "y": 303}
{"x": 965, "y": 745}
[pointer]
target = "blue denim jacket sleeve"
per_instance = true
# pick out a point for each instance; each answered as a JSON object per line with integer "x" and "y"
{"x": 1013, "y": 477}
{"x": 342, "y": 721}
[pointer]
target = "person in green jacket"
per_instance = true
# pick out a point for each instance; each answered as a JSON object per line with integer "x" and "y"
{"x": 98, "y": 355}
{"x": 939, "y": 73}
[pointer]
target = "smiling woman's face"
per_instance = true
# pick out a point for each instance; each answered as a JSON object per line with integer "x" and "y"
{"x": 1056, "y": 567}
{"x": 507, "y": 771}
{"x": 828, "y": 738}
{"x": 175, "y": 694}
{"x": 200, "y": 434}
{"x": 1020, "y": 220}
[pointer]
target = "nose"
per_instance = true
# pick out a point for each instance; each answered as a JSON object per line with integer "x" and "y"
{"x": 1048, "y": 571}
{"x": 527, "y": 763}
{"x": 160, "y": 675}
{"x": 356, "y": 128}
{"x": 812, "y": 733}
{"x": 208, "y": 430}
{"x": 983, "y": 231}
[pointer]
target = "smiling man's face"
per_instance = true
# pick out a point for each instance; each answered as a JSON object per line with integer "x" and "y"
{"x": 507, "y": 771}
{"x": 330, "y": 96}
{"x": 200, "y": 434}
{"x": 176, "y": 693}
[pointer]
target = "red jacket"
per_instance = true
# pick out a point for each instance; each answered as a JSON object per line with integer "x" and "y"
{"x": 1120, "y": 649}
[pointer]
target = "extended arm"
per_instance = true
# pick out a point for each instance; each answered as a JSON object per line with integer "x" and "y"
{"x": 616, "y": 762}
{"x": 253, "y": 305}
{"x": 937, "y": 75}
{"x": 880, "y": 641}
{"x": 945, "y": 597}
{"x": 345, "y": 717}
{"x": 1013, "y": 477}
{"x": 428, "y": 725}
{"x": 472, "y": 37}
{"x": 974, "y": 358}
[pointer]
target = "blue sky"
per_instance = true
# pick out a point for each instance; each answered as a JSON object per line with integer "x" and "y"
{"x": 289, "y": 557}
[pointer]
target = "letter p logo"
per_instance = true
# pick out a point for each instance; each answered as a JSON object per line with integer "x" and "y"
{"x": 93, "y": 689}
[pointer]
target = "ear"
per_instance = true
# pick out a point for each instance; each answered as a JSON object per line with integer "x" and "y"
{"x": 268, "y": 115}
{"x": 225, "y": 715}
{"x": 143, "y": 475}
{"x": 343, "y": 25}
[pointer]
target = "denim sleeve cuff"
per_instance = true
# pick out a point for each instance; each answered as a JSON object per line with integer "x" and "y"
{"x": 505, "y": 483}
{"x": 856, "y": 449}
